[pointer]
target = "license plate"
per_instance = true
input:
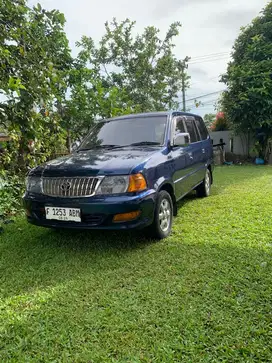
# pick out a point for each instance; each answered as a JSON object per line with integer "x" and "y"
{"x": 63, "y": 214}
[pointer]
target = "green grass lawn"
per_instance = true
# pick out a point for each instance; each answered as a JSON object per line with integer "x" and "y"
{"x": 202, "y": 295}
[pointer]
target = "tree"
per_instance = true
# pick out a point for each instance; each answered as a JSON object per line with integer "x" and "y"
{"x": 52, "y": 99}
{"x": 248, "y": 100}
{"x": 220, "y": 123}
{"x": 121, "y": 75}
{"x": 89, "y": 99}
{"x": 34, "y": 57}
{"x": 143, "y": 68}
{"x": 209, "y": 119}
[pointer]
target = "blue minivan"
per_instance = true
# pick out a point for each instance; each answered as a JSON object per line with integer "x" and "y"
{"x": 129, "y": 172}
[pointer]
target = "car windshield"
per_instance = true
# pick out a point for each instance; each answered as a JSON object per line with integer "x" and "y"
{"x": 149, "y": 130}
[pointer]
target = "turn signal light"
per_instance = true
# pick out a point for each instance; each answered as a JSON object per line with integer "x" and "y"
{"x": 125, "y": 217}
{"x": 137, "y": 183}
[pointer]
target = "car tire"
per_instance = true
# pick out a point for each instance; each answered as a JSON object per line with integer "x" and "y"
{"x": 204, "y": 189}
{"x": 163, "y": 216}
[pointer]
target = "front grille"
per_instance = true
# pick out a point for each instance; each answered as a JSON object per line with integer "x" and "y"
{"x": 69, "y": 187}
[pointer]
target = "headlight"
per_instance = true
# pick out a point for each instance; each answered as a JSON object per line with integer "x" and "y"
{"x": 34, "y": 184}
{"x": 113, "y": 185}
{"x": 122, "y": 184}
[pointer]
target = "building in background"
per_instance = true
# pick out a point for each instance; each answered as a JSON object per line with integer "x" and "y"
{"x": 238, "y": 147}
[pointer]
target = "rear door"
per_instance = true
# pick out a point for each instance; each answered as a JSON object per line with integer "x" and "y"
{"x": 207, "y": 149}
{"x": 195, "y": 152}
{"x": 181, "y": 160}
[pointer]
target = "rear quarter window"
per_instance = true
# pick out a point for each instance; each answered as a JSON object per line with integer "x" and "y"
{"x": 191, "y": 130}
{"x": 201, "y": 128}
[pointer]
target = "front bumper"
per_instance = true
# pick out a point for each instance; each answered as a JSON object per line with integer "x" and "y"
{"x": 97, "y": 212}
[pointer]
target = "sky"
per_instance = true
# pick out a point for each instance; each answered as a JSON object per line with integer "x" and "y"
{"x": 209, "y": 29}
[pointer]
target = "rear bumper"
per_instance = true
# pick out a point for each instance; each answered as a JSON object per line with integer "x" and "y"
{"x": 96, "y": 212}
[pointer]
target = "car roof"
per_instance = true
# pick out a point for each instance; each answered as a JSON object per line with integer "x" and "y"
{"x": 148, "y": 114}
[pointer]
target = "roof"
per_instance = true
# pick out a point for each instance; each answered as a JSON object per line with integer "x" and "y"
{"x": 148, "y": 114}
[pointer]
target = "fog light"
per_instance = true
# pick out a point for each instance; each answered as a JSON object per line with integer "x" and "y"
{"x": 125, "y": 217}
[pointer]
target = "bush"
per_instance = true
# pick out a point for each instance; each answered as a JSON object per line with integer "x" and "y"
{"x": 220, "y": 123}
{"x": 11, "y": 190}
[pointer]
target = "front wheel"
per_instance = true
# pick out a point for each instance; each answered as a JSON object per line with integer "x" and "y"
{"x": 163, "y": 216}
{"x": 204, "y": 189}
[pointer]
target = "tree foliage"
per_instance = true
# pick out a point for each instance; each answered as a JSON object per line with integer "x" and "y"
{"x": 49, "y": 98}
{"x": 143, "y": 67}
{"x": 220, "y": 123}
{"x": 90, "y": 98}
{"x": 34, "y": 57}
{"x": 209, "y": 119}
{"x": 121, "y": 74}
{"x": 248, "y": 100}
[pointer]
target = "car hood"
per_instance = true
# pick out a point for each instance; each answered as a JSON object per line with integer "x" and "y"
{"x": 97, "y": 162}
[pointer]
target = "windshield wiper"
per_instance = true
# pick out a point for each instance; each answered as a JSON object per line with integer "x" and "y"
{"x": 142, "y": 143}
{"x": 99, "y": 147}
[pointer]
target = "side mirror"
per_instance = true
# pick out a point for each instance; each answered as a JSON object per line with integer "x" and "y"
{"x": 182, "y": 139}
{"x": 75, "y": 146}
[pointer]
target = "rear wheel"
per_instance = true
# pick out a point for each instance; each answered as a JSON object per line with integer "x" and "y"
{"x": 204, "y": 189}
{"x": 163, "y": 216}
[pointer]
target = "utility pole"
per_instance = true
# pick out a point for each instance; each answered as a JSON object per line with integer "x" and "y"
{"x": 183, "y": 93}
{"x": 183, "y": 67}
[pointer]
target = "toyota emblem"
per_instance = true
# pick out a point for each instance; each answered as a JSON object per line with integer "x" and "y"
{"x": 65, "y": 186}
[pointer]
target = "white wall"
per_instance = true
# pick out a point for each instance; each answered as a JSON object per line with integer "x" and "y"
{"x": 241, "y": 146}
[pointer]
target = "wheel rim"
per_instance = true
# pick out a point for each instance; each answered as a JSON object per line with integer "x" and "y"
{"x": 207, "y": 182}
{"x": 165, "y": 215}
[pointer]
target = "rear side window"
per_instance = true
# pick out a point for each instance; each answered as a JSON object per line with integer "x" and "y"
{"x": 191, "y": 130}
{"x": 201, "y": 128}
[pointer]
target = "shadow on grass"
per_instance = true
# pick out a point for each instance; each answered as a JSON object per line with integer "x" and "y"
{"x": 98, "y": 240}
{"x": 35, "y": 257}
